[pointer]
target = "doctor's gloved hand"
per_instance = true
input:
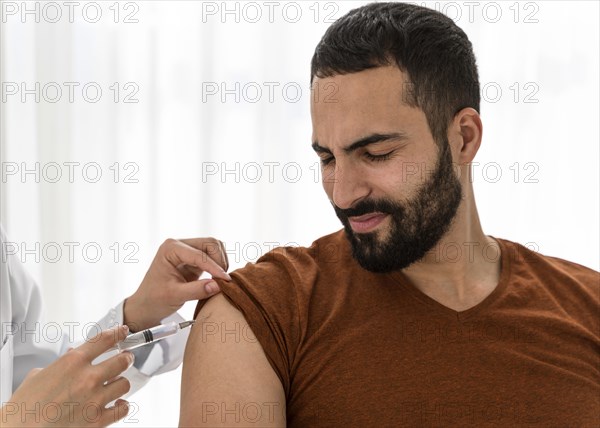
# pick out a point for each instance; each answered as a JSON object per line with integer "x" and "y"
{"x": 71, "y": 391}
{"x": 172, "y": 280}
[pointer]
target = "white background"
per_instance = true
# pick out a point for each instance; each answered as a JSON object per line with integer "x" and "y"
{"x": 177, "y": 134}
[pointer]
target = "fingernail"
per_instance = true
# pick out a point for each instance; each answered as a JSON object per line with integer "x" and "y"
{"x": 211, "y": 288}
{"x": 125, "y": 329}
{"x": 226, "y": 275}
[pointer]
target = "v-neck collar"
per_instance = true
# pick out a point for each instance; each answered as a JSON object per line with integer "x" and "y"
{"x": 498, "y": 291}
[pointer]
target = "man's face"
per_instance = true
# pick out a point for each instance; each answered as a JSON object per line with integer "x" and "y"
{"x": 395, "y": 192}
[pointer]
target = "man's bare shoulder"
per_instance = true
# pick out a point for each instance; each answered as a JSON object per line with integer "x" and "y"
{"x": 227, "y": 379}
{"x": 218, "y": 308}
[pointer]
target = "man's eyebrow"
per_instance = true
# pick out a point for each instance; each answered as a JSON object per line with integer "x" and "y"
{"x": 320, "y": 149}
{"x": 371, "y": 139}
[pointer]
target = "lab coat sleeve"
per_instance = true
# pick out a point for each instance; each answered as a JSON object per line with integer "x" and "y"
{"x": 33, "y": 344}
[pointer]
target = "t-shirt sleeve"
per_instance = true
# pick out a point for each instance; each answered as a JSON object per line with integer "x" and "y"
{"x": 266, "y": 293}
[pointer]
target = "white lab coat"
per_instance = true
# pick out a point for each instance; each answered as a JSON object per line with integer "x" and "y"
{"x": 23, "y": 347}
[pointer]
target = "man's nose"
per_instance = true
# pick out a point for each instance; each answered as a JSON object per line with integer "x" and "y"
{"x": 349, "y": 186}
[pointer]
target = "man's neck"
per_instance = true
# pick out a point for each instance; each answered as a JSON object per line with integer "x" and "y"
{"x": 463, "y": 268}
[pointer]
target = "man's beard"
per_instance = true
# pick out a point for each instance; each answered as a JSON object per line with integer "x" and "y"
{"x": 416, "y": 225}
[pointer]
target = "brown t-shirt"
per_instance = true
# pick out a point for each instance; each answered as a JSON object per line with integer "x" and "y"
{"x": 356, "y": 349}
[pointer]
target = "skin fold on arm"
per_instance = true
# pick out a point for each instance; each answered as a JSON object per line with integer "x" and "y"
{"x": 227, "y": 379}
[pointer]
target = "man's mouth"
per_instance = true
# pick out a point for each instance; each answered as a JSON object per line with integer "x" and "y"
{"x": 366, "y": 223}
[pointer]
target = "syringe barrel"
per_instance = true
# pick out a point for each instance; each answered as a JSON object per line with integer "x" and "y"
{"x": 164, "y": 330}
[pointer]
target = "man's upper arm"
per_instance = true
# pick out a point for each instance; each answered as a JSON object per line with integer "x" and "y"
{"x": 227, "y": 379}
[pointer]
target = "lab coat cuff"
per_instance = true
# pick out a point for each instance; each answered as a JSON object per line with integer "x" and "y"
{"x": 113, "y": 318}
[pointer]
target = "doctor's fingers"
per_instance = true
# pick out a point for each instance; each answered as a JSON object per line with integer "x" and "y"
{"x": 113, "y": 390}
{"x": 112, "y": 414}
{"x": 110, "y": 369}
{"x": 190, "y": 273}
{"x": 102, "y": 342}
{"x": 210, "y": 257}
{"x": 196, "y": 290}
{"x": 211, "y": 246}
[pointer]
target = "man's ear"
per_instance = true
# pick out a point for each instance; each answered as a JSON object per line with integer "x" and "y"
{"x": 464, "y": 135}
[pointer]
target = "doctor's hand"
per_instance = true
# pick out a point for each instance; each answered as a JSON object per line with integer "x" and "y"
{"x": 71, "y": 391}
{"x": 172, "y": 280}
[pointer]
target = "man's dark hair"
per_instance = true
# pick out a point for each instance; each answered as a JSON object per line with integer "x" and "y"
{"x": 427, "y": 45}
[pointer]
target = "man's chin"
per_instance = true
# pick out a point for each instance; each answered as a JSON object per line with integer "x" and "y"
{"x": 368, "y": 250}
{"x": 374, "y": 252}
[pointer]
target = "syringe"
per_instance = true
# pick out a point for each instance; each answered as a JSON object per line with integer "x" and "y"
{"x": 150, "y": 335}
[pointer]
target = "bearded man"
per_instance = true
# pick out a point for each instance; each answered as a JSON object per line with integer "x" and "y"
{"x": 411, "y": 315}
